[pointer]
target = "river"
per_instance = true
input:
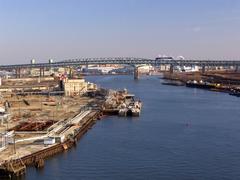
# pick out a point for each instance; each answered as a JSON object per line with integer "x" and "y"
{"x": 182, "y": 133}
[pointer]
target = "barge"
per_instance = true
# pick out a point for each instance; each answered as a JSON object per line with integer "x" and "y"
{"x": 173, "y": 83}
{"x": 200, "y": 84}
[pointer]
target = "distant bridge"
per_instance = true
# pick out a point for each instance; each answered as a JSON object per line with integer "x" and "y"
{"x": 124, "y": 61}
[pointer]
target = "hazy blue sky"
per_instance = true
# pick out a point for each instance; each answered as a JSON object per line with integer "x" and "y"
{"x": 61, "y": 29}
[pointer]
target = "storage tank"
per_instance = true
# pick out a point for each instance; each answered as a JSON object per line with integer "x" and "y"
{"x": 50, "y": 61}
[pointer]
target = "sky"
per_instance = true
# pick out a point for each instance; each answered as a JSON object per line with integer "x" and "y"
{"x": 66, "y": 29}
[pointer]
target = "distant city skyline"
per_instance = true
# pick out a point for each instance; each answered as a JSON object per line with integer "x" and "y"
{"x": 63, "y": 29}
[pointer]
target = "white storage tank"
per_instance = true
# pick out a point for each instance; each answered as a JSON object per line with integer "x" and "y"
{"x": 50, "y": 61}
{"x": 33, "y": 61}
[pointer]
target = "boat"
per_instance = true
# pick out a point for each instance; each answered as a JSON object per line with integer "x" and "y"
{"x": 132, "y": 109}
{"x": 173, "y": 83}
{"x": 235, "y": 92}
{"x": 200, "y": 84}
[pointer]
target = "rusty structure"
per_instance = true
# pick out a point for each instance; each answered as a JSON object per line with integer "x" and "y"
{"x": 33, "y": 126}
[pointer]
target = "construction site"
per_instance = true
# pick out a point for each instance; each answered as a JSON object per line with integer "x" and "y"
{"x": 40, "y": 117}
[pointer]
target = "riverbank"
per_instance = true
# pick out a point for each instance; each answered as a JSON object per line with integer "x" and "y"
{"x": 226, "y": 81}
{"x": 30, "y": 143}
{"x": 17, "y": 163}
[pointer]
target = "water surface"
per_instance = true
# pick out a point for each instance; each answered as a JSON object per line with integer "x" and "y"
{"x": 182, "y": 133}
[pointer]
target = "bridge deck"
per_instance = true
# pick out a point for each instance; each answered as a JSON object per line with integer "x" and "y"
{"x": 127, "y": 61}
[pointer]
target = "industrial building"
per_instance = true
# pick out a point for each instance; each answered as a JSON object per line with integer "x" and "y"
{"x": 73, "y": 87}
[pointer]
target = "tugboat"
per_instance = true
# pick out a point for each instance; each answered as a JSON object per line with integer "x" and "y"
{"x": 173, "y": 83}
{"x": 122, "y": 103}
{"x": 132, "y": 109}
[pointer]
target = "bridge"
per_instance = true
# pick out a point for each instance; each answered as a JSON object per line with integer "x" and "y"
{"x": 132, "y": 61}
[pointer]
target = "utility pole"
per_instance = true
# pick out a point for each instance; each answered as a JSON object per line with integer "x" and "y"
{"x": 14, "y": 144}
{"x": 19, "y": 112}
{"x": 41, "y": 102}
{"x": 7, "y": 123}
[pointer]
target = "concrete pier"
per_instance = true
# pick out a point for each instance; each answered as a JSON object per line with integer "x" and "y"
{"x": 18, "y": 72}
{"x": 70, "y": 72}
{"x": 136, "y": 72}
{"x": 42, "y": 72}
{"x": 171, "y": 68}
{"x": 203, "y": 69}
{"x": 236, "y": 68}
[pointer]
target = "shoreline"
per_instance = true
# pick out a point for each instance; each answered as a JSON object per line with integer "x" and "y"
{"x": 224, "y": 82}
{"x": 17, "y": 167}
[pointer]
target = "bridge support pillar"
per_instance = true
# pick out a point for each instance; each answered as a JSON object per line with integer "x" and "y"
{"x": 236, "y": 69}
{"x": 42, "y": 72}
{"x": 136, "y": 72}
{"x": 203, "y": 69}
{"x": 18, "y": 72}
{"x": 70, "y": 72}
{"x": 171, "y": 68}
